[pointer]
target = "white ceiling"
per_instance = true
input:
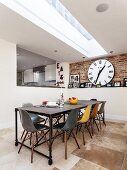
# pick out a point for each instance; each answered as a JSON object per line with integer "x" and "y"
{"x": 26, "y": 35}
{"x": 108, "y": 28}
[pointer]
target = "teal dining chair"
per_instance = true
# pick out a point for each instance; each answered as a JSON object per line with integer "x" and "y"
{"x": 67, "y": 127}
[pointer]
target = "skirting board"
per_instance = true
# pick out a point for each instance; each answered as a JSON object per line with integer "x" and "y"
{"x": 116, "y": 117}
{"x": 7, "y": 125}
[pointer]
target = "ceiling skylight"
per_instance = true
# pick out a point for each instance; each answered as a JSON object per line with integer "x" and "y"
{"x": 69, "y": 17}
{"x": 54, "y": 18}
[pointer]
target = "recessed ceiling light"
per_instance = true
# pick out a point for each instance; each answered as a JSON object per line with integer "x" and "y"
{"x": 102, "y": 7}
{"x": 111, "y": 52}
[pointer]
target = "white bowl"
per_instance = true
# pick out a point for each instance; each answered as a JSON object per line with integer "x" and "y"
{"x": 51, "y": 104}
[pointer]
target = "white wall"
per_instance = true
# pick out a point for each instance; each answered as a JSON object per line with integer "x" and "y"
{"x": 12, "y": 96}
{"x": 115, "y": 97}
{"x": 7, "y": 82}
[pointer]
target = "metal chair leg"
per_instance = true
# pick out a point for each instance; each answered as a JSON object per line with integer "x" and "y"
{"x": 32, "y": 149}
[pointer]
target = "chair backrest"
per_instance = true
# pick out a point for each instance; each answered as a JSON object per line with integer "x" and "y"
{"x": 93, "y": 99}
{"x": 27, "y": 105}
{"x": 86, "y": 114}
{"x": 93, "y": 104}
{"x": 95, "y": 110}
{"x": 71, "y": 120}
{"x": 101, "y": 110}
{"x": 26, "y": 121}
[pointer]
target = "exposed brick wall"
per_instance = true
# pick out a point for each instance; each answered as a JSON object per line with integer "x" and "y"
{"x": 119, "y": 62}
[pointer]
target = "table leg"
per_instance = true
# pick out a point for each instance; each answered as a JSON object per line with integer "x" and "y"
{"x": 63, "y": 121}
{"x": 16, "y": 129}
{"x": 50, "y": 140}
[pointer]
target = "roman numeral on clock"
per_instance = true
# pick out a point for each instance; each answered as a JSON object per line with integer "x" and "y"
{"x": 91, "y": 78}
{"x": 100, "y": 61}
{"x": 109, "y": 66}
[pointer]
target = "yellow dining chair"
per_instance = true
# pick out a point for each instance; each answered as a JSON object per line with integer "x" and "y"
{"x": 93, "y": 116}
{"x": 83, "y": 122}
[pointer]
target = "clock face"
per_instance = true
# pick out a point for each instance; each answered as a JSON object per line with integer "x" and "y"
{"x": 100, "y": 72}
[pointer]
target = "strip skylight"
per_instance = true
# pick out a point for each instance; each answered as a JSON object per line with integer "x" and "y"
{"x": 69, "y": 17}
{"x": 44, "y": 15}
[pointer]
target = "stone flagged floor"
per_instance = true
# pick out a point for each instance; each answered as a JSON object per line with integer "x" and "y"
{"x": 106, "y": 151}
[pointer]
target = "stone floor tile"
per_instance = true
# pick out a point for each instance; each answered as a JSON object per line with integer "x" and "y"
{"x": 106, "y": 149}
{"x": 84, "y": 164}
{"x": 104, "y": 157}
{"x": 124, "y": 166}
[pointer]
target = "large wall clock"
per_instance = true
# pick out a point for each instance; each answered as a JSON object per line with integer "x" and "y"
{"x": 100, "y": 72}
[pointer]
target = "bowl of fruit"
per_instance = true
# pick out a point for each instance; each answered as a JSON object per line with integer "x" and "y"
{"x": 73, "y": 100}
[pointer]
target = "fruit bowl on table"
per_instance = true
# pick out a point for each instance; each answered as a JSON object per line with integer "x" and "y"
{"x": 73, "y": 100}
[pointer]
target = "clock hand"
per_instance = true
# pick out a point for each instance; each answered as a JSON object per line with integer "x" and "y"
{"x": 99, "y": 73}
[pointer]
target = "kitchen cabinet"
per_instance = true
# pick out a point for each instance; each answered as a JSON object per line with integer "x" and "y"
{"x": 50, "y": 72}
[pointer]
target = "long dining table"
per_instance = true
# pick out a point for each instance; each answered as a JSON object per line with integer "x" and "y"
{"x": 50, "y": 113}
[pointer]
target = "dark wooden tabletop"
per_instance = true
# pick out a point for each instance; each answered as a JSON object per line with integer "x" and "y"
{"x": 57, "y": 110}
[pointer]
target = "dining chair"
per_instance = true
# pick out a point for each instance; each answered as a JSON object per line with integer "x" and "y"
{"x": 93, "y": 104}
{"x": 31, "y": 128}
{"x": 34, "y": 117}
{"x": 67, "y": 127}
{"x": 83, "y": 123}
{"x": 82, "y": 112}
{"x": 101, "y": 114}
{"x": 93, "y": 117}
